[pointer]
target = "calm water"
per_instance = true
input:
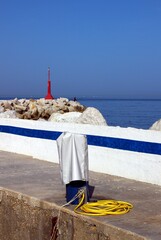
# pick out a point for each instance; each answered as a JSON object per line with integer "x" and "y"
{"x": 127, "y": 113}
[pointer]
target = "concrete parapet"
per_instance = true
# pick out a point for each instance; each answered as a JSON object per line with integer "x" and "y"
{"x": 125, "y": 152}
{"x": 28, "y": 218}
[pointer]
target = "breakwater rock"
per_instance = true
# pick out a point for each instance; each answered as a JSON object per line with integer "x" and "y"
{"x": 56, "y": 110}
{"x": 40, "y": 108}
{"x": 90, "y": 116}
{"x": 156, "y": 126}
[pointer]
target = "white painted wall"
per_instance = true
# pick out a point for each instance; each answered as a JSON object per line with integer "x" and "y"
{"x": 133, "y": 165}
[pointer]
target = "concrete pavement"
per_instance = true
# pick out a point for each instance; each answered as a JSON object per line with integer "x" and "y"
{"x": 41, "y": 179}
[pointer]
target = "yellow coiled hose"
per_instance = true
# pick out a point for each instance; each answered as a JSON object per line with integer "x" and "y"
{"x": 102, "y": 207}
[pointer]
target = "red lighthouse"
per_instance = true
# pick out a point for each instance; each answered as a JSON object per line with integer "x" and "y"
{"x": 49, "y": 95}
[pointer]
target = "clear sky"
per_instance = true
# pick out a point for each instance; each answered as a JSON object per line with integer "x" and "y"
{"x": 95, "y": 48}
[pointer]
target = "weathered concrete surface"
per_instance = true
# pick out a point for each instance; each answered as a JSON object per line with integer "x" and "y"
{"x": 31, "y": 193}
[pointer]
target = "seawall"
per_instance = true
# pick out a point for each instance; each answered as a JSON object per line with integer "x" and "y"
{"x": 125, "y": 152}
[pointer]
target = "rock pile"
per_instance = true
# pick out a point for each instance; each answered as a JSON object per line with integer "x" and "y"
{"x": 56, "y": 110}
{"x": 38, "y": 109}
{"x": 90, "y": 116}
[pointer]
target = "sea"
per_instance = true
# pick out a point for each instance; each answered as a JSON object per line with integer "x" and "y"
{"x": 136, "y": 113}
{"x": 127, "y": 112}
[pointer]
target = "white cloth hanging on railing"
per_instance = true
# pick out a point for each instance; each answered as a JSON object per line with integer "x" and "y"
{"x": 73, "y": 157}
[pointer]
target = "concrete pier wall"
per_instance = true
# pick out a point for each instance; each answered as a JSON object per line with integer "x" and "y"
{"x": 27, "y": 218}
{"x": 126, "y": 152}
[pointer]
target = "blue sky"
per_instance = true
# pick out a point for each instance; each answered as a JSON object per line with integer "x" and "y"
{"x": 95, "y": 48}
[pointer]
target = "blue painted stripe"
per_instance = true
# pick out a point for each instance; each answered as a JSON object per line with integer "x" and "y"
{"x": 52, "y": 135}
{"x": 110, "y": 142}
{"x": 125, "y": 144}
